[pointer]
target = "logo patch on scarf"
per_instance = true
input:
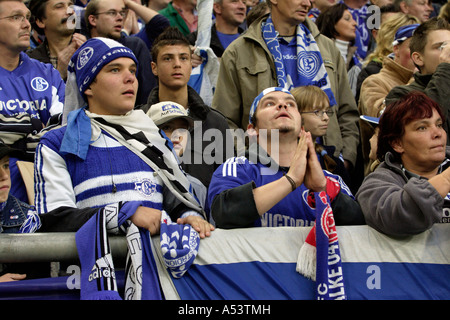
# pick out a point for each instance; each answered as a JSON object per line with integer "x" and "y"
{"x": 328, "y": 225}
{"x": 308, "y": 64}
{"x": 103, "y": 268}
{"x": 145, "y": 186}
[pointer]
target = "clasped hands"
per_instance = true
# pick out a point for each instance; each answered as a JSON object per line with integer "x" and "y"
{"x": 305, "y": 166}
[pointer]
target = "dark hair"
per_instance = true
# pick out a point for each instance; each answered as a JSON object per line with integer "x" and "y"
{"x": 256, "y": 12}
{"x": 37, "y": 9}
{"x": 90, "y": 10}
{"x": 327, "y": 19}
{"x": 412, "y": 106}
{"x": 444, "y": 12}
{"x": 389, "y": 8}
{"x": 171, "y": 36}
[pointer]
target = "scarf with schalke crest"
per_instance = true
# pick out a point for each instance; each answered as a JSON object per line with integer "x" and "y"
{"x": 319, "y": 258}
{"x": 310, "y": 65}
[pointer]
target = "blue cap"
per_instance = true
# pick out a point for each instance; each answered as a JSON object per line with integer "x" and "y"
{"x": 403, "y": 33}
{"x": 373, "y": 120}
{"x": 92, "y": 56}
{"x": 262, "y": 94}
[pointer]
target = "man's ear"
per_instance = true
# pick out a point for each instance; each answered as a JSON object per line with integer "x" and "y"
{"x": 217, "y": 8}
{"x": 395, "y": 50}
{"x": 88, "y": 92}
{"x": 154, "y": 68}
{"x": 404, "y": 7}
{"x": 417, "y": 58}
{"x": 40, "y": 23}
{"x": 92, "y": 20}
{"x": 252, "y": 131}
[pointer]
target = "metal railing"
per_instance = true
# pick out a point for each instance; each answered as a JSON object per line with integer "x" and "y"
{"x": 49, "y": 247}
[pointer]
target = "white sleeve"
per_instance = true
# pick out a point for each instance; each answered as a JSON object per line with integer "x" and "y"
{"x": 57, "y": 103}
{"x": 58, "y": 93}
{"x": 53, "y": 184}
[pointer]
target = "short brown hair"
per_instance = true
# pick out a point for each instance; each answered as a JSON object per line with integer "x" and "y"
{"x": 171, "y": 36}
{"x": 91, "y": 9}
{"x": 420, "y": 36}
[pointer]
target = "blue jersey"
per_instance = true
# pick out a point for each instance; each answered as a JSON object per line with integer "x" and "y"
{"x": 33, "y": 88}
{"x": 293, "y": 210}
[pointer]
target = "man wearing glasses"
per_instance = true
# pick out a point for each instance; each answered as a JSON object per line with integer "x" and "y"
{"x": 31, "y": 92}
{"x": 105, "y": 18}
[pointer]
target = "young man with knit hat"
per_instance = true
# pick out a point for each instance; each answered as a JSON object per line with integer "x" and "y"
{"x": 94, "y": 150}
{"x": 109, "y": 169}
{"x": 106, "y": 18}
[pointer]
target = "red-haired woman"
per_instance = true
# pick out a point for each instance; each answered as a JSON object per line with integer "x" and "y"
{"x": 410, "y": 190}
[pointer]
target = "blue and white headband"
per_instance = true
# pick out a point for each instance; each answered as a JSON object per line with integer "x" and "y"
{"x": 259, "y": 97}
{"x": 404, "y": 32}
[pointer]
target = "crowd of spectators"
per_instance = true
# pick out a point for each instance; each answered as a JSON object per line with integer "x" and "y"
{"x": 350, "y": 98}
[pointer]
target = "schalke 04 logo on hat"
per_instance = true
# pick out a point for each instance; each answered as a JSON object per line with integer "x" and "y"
{"x": 84, "y": 57}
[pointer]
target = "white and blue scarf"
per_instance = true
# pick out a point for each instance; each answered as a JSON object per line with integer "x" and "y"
{"x": 319, "y": 258}
{"x": 310, "y": 65}
{"x": 179, "y": 245}
{"x": 139, "y": 134}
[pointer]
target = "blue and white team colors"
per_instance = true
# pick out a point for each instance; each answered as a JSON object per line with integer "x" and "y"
{"x": 29, "y": 96}
{"x": 293, "y": 210}
{"x": 33, "y": 88}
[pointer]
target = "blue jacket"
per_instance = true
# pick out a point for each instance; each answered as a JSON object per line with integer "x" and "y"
{"x": 13, "y": 215}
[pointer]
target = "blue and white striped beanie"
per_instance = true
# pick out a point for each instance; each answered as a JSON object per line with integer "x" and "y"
{"x": 259, "y": 97}
{"x": 84, "y": 66}
{"x": 90, "y": 58}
